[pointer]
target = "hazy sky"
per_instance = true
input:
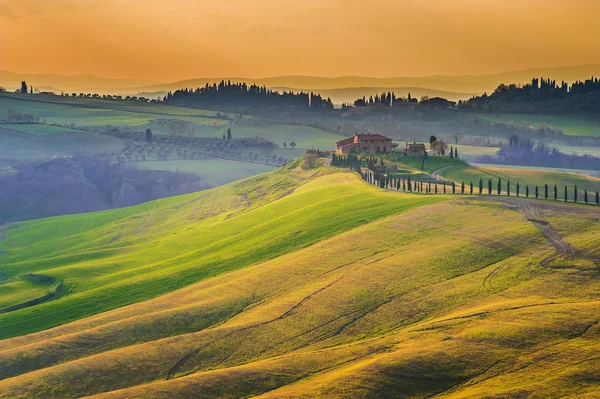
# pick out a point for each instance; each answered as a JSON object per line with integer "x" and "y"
{"x": 178, "y": 39}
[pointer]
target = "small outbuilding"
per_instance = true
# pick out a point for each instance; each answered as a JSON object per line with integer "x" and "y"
{"x": 415, "y": 149}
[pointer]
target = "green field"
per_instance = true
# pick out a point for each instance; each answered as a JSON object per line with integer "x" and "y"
{"x": 22, "y": 146}
{"x": 215, "y": 172}
{"x": 569, "y": 125}
{"x": 38, "y": 129}
{"x": 303, "y": 136}
{"x": 307, "y": 283}
{"x": 94, "y": 112}
{"x": 459, "y": 171}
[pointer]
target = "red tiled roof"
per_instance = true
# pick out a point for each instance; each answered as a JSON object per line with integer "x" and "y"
{"x": 364, "y": 136}
{"x": 375, "y": 136}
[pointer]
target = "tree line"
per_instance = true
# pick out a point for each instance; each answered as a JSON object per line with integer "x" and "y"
{"x": 241, "y": 94}
{"x": 528, "y": 153}
{"x": 540, "y": 96}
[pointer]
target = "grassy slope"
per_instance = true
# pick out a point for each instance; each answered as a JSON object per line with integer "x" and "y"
{"x": 570, "y": 125}
{"x": 216, "y": 172}
{"x": 387, "y": 309}
{"x": 110, "y": 259}
{"x": 460, "y": 171}
{"x": 27, "y": 147}
{"x": 86, "y": 111}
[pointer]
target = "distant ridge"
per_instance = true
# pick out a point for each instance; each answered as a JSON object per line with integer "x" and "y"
{"x": 452, "y": 86}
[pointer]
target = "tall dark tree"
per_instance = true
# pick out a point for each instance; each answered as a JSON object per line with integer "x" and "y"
{"x": 24, "y": 87}
{"x": 555, "y": 193}
{"x": 228, "y": 133}
{"x": 597, "y": 198}
{"x": 527, "y": 191}
{"x": 480, "y": 186}
{"x": 499, "y": 186}
{"x": 537, "y": 193}
{"x": 566, "y": 195}
{"x": 470, "y": 187}
{"x": 585, "y": 196}
{"x": 518, "y": 187}
{"x": 575, "y": 194}
{"x": 545, "y": 191}
{"x": 455, "y": 153}
{"x": 148, "y": 136}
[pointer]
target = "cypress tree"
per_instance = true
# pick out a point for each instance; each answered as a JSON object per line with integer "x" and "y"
{"x": 518, "y": 189}
{"x": 575, "y": 194}
{"x": 490, "y": 187}
{"x": 462, "y": 188}
{"x": 409, "y": 185}
{"x": 545, "y": 191}
{"x": 536, "y": 192}
{"x": 455, "y": 153}
{"x": 444, "y": 187}
{"x": 508, "y": 188}
{"x": 436, "y": 188}
{"x": 499, "y": 186}
{"x": 555, "y": 193}
{"x": 566, "y": 196}
{"x": 527, "y": 191}
{"x": 585, "y": 197}
{"x": 453, "y": 188}
{"x": 480, "y": 186}
{"x": 597, "y": 198}
{"x": 470, "y": 187}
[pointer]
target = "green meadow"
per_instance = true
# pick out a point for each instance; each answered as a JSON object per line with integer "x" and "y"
{"x": 573, "y": 125}
{"x": 306, "y": 283}
{"x": 215, "y": 172}
{"x": 93, "y": 112}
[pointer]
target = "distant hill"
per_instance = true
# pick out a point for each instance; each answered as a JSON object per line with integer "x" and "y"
{"x": 456, "y": 86}
{"x": 56, "y": 82}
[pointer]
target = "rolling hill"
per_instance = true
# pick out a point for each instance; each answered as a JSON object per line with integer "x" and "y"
{"x": 305, "y": 283}
{"x": 454, "y": 84}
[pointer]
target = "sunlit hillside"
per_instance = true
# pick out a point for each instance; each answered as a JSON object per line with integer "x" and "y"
{"x": 304, "y": 282}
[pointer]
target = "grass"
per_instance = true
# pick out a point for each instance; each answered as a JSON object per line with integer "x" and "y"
{"x": 460, "y": 171}
{"x": 215, "y": 172}
{"x": 360, "y": 293}
{"x": 531, "y": 177}
{"x": 569, "y": 125}
{"x": 110, "y": 259}
{"x": 30, "y": 147}
{"x": 94, "y": 112}
{"x": 38, "y": 129}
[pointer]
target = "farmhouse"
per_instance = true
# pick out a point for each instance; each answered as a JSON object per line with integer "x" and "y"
{"x": 362, "y": 143}
{"x": 414, "y": 149}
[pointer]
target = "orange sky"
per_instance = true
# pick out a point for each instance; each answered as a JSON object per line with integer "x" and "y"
{"x": 176, "y": 39}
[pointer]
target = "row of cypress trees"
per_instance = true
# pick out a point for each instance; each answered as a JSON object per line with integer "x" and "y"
{"x": 384, "y": 180}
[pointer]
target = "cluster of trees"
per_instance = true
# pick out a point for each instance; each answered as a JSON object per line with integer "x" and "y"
{"x": 144, "y": 146}
{"x": 345, "y": 161}
{"x": 107, "y": 96}
{"x": 241, "y": 94}
{"x": 82, "y": 184}
{"x": 19, "y": 117}
{"x": 389, "y": 99}
{"x": 541, "y": 95}
{"x": 528, "y": 153}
